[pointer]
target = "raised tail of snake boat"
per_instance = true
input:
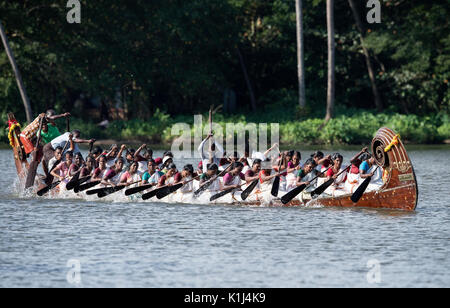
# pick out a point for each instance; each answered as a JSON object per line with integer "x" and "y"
{"x": 399, "y": 189}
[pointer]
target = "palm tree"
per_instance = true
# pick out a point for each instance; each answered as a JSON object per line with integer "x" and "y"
{"x": 331, "y": 81}
{"x": 300, "y": 56}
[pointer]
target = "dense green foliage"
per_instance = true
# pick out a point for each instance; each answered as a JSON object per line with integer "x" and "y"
{"x": 181, "y": 56}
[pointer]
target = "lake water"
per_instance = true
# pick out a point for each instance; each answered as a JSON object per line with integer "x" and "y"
{"x": 47, "y": 242}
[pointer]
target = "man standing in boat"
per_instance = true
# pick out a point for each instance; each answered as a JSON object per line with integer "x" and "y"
{"x": 61, "y": 141}
{"x": 216, "y": 150}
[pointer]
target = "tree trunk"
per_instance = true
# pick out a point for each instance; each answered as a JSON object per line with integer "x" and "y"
{"x": 247, "y": 80}
{"x": 300, "y": 54}
{"x": 23, "y": 93}
{"x": 331, "y": 81}
{"x": 376, "y": 95}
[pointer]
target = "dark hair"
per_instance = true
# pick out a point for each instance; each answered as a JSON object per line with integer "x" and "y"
{"x": 70, "y": 153}
{"x": 310, "y": 161}
{"x": 79, "y": 155}
{"x": 76, "y": 132}
{"x": 102, "y": 156}
{"x": 213, "y": 167}
{"x": 317, "y": 154}
{"x": 298, "y": 154}
{"x": 150, "y": 152}
{"x": 257, "y": 161}
{"x": 50, "y": 113}
{"x": 189, "y": 168}
{"x": 119, "y": 159}
{"x": 172, "y": 166}
{"x": 365, "y": 156}
{"x": 131, "y": 151}
{"x": 59, "y": 148}
{"x": 336, "y": 156}
{"x": 97, "y": 150}
{"x": 151, "y": 161}
{"x": 237, "y": 165}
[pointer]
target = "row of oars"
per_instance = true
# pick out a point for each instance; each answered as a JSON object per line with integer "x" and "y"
{"x": 76, "y": 183}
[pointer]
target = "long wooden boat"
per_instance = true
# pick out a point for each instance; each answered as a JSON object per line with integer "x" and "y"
{"x": 399, "y": 189}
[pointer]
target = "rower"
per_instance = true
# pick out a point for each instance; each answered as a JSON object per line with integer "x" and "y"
{"x": 216, "y": 155}
{"x": 112, "y": 176}
{"x": 367, "y": 169}
{"x": 337, "y": 188}
{"x": 130, "y": 176}
{"x": 151, "y": 176}
{"x": 76, "y": 164}
{"x": 88, "y": 167}
{"x": 56, "y": 158}
{"x": 253, "y": 173}
{"x": 51, "y": 164}
{"x": 322, "y": 161}
{"x": 233, "y": 178}
{"x": 186, "y": 176}
{"x": 210, "y": 174}
{"x": 170, "y": 177}
{"x": 62, "y": 170}
{"x": 101, "y": 170}
{"x": 302, "y": 177}
{"x": 111, "y": 155}
{"x": 97, "y": 152}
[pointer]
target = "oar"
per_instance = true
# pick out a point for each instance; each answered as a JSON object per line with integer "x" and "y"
{"x": 319, "y": 190}
{"x": 74, "y": 180}
{"x": 361, "y": 188}
{"x": 35, "y": 163}
{"x": 110, "y": 190}
{"x": 47, "y": 188}
{"x": 221, "y": 194}
{"x": 276, "y": 181}
{"x": 249, "y": 189}
{"x": 134, "y": 190}
{"x": 155, "y": 191}
{"x": 72, "y": 185}
{"x": 209, "y": 182}
{"x": 293, "y": 193}
{"x": 86, "y": 186}
{"x": 171, "y": 189}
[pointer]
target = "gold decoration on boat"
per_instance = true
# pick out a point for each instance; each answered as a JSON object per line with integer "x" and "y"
{"x": 393, "y": 142}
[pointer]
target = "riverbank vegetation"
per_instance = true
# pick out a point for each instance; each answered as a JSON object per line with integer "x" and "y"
{"x": 144, "y": 65}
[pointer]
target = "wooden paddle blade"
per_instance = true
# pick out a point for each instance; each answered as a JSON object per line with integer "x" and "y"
{"x": 150, "y": 194}
{"x": 46, "y": 189}
{"x": 360, "y": 190}
{"x": 31, "y": 174}
{"x": 275, "y": 186}
{"x": 319, "y": 190}
{"x": 73, "y": 181}
{"x": 80, "y": 181}
{"x": 134, "y": 190}
{"x": 109, "y": 190}
{"x": 205, "y": 186}
{"x": 249, "y": 189}
{"x": 87, "y": 186}
{"x": 292, "y": 194}
{"x": 221, "y": 194}
{"x": 168, "y": 190}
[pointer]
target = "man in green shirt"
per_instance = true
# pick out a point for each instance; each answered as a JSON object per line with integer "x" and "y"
{"x": 49, "y": 129}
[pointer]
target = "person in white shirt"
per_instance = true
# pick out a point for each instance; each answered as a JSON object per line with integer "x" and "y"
{"x": 216, "y": 150}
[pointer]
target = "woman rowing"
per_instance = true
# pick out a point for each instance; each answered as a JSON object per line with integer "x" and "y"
{"x": 338, "y": 174}
{"x": 101, "y": 170}
{"x": 170, "y": 177}
{"x": 61, "y": 171}
{"x": 303, "y": 178}
{"x": 152, "y": 175}
{"x": 88, "y": 167}
{"x": 233, "y": 178}
{"x": 368, "y": 168}
{"x": 184, "y": 193}
{"x": 210, "y": 175}
{"x": 293, "y": 167}
{"x": 130, "y": 176}
{"x": 112, "y": 176}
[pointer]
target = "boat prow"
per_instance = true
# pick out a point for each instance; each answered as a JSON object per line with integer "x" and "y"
{"x": 399, "y": 189}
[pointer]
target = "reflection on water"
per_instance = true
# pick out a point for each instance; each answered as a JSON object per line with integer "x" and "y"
{"x": 122, "y": 244}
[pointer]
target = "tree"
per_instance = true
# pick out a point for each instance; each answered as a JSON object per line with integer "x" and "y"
{"x": 370, "y": 70}
{"x": 300, "y": 54}
{"x": 331, "y": 60}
